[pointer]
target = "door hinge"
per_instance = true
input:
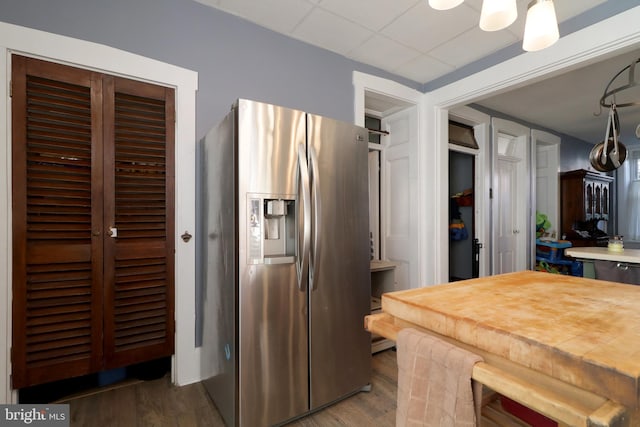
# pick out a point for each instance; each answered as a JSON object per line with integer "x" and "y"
{"x": 10, "y": 88}
{"x": 491, "y": 193}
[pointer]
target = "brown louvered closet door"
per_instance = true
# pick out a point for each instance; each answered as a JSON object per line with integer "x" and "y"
{"x": 57, "y": 188}
{"x": 139, "y": 206}
{"x": 76, "y": 290}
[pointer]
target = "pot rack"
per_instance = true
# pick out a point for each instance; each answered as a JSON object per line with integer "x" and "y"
{"x": 631, "y": 82}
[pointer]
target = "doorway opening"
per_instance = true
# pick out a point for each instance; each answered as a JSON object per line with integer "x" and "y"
{"x": 463, "y": 254}
{"x": 392, "y": 123}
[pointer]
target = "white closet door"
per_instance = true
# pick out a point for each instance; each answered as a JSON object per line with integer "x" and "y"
{"x": 400, "y": 196}
{"x": 511, "y": 196}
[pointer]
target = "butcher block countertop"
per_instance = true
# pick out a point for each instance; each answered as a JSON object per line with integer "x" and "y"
{"x": 604, "y": 254}
{"x": 580, "y": 331}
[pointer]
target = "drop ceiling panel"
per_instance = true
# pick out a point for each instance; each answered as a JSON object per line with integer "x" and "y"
{"x": 372, "y": 14}
{"x": 423, "y": 28}
{"x": 423, "y": 69}
{"x": 484, "y": 43}
{"x": 331, "y": 31}
{"x": 383, "y": 53}
{"x": 277, "y": 15}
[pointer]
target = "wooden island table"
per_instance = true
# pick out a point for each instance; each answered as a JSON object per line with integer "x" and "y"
{"x": 567, "y": 347}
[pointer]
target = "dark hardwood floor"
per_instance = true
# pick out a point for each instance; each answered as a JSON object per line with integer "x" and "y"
{"x": 158, "y": 403}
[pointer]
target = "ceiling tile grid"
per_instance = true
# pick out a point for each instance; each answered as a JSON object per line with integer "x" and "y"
{"x": 384, "y": 53}
{"x": 424, "y": 68}
{"x": 333, "y": 32}
{"x": 404, "y": 37}
{"x": 372, "y": 14}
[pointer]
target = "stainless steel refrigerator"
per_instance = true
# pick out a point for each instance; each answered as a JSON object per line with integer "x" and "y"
{"x": 285, "y": 202}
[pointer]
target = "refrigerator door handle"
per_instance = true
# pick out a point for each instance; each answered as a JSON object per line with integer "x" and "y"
{"x": 304, "y": 229}
{"x": 314, "y": 258}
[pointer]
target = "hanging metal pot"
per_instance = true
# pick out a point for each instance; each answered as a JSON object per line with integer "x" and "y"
{"x": 609, "y": 154}
{"x": 595, "y": 157}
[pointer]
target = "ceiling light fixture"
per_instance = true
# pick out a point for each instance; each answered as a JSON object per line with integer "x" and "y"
{"x": 497, "y": 14}
{"x": 541, "y": 28}
{"x": 444, "y": 4}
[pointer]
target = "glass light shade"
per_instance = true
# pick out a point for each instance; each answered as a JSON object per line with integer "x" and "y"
{"x": 541, "y": 28}
{"x": 498, "y": 14}
{"x": 444, "y": 4}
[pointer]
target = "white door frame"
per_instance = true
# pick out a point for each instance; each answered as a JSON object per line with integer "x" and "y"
{"x": 589, "y": 45}
{"x": 79, "y": 53}
{"x": 363, "y": 84}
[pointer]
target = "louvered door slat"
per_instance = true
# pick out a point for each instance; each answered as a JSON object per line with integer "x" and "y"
{"x": 40, "y": 330}
{"x": 68, "y": 352}
{"x": 58, "y": 172}
{"x": 52, "y": 321}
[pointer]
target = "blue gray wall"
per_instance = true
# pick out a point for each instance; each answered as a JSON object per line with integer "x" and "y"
{"x": 234, "y": 58}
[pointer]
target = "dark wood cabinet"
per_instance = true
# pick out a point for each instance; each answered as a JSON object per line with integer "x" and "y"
{"x": 585, "y": 206}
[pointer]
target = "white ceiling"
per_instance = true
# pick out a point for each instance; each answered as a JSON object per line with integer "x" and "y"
{"x": 410, "y": 39}
{"x": 405, "y": 37}
{"x": 570, "y": 103}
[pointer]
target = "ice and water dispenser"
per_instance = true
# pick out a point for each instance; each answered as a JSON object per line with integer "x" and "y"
{"x": 271, "y": 230}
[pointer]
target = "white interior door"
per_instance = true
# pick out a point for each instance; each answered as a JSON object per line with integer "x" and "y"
{"x": 400, "y": 196}
{"x": 511, "y": 197}
{"x": 547, "y": 149}
{"x": 506, "y": 231}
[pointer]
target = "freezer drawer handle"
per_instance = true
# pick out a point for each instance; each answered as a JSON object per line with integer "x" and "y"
{"x": 314, "y": 259}
{"x": 304, "y": 229}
